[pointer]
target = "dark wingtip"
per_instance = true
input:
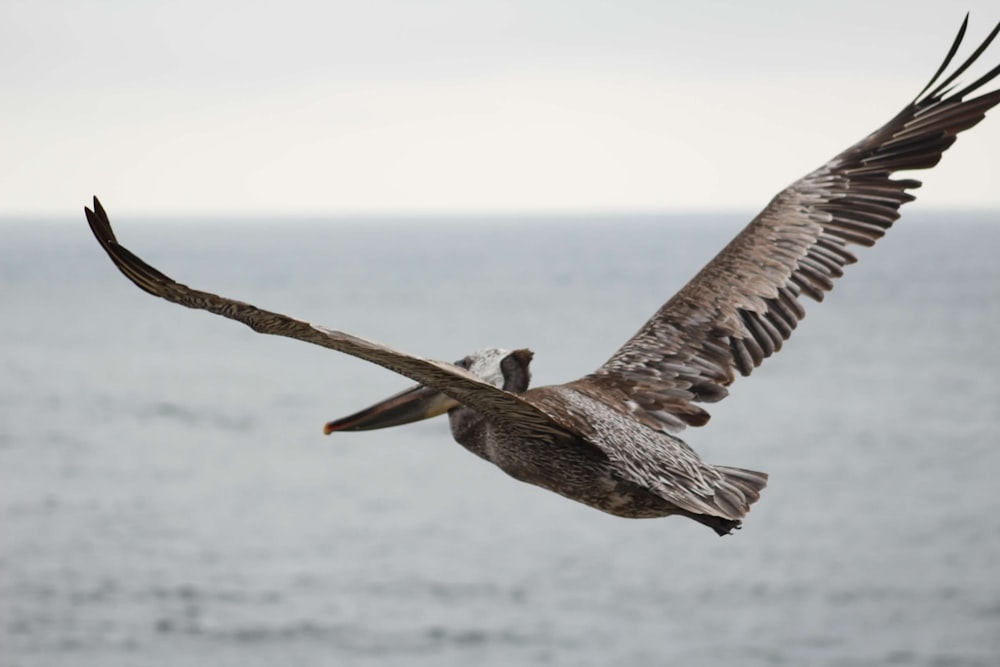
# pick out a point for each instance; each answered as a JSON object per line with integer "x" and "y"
{"x": 945, "y": 87}
{"x": 98, "y": 211}
{"x": 99, "y": 224}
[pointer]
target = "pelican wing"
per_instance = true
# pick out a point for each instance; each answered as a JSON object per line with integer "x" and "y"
{"x": 514, "y": 413}
{"x": 741, "y": 307}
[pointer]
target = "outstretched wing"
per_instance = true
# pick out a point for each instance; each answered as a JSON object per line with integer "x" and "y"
{"x": 741, "y": 307}
{"x": 516, "y": 415}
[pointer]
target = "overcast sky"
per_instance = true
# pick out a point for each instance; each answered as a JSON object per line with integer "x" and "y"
{"x": 330, "y": 106}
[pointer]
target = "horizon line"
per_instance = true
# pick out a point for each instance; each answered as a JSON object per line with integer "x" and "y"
{"x": 442, "y": 215}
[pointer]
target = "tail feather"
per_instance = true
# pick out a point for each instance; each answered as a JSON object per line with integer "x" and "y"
{"x": 734, "y": 494}
{"x": 741, "y": 487}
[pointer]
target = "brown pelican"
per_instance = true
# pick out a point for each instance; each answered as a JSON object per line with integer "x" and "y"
{"x": 609, "y": 439}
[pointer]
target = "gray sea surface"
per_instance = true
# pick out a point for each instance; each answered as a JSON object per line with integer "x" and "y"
{"x": 167, "y": 496}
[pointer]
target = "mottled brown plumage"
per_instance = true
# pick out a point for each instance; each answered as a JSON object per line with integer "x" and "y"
{"x": 607, "y": 439}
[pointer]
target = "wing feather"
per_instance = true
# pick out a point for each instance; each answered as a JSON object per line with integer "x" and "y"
{"x": 510, "y": 410}
{"x": 740, "y": 308}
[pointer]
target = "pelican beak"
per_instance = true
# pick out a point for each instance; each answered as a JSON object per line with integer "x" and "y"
{"x": 412, "y": 405}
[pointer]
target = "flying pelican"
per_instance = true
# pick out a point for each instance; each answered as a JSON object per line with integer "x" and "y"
{"x": 608, "y": 440}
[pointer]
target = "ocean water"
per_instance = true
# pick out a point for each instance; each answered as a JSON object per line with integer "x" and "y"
{"x": 167, "y": 496}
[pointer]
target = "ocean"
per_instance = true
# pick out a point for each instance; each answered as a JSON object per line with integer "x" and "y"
{"x": 167, "y": 496}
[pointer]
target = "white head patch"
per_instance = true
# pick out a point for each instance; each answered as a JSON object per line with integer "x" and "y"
{"x": 485, "y": 364}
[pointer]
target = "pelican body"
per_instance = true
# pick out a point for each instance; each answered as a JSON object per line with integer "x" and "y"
{"x": 576, "y": 465}
{"x": 609, "y": 439}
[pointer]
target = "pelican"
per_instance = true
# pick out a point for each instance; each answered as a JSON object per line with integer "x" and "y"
{"x": 609, "y": 439}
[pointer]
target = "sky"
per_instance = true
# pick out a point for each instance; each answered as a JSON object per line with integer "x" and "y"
{"x": 335, "y": 107}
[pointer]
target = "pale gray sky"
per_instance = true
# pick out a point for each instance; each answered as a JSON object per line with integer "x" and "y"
{"x": 331, "y": 106}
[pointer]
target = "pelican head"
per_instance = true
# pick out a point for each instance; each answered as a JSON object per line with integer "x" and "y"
{"x": 503, "y": 369}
